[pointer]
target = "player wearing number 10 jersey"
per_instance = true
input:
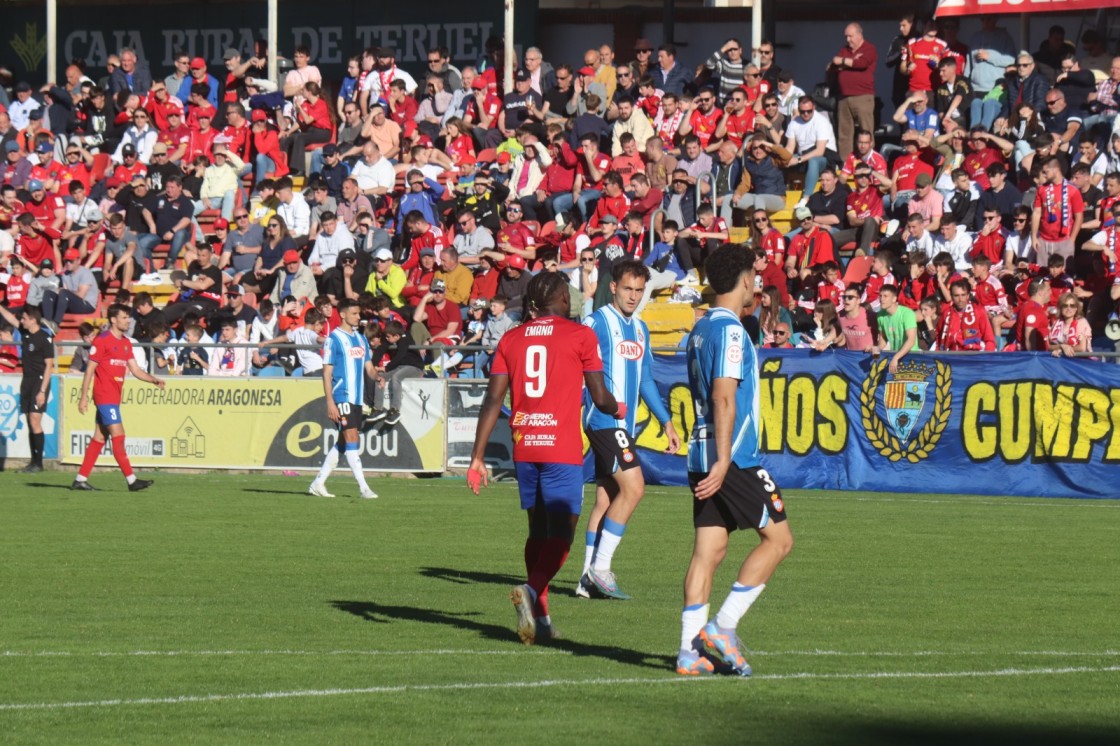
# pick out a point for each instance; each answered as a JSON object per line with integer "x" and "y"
{"x": 731, "y": 489}
{"x": 110, "y": 359}
{"x": 346, "y": 362}
{"x": 543, "y": 364}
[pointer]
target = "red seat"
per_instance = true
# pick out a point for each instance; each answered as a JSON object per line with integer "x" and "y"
{"x": 858, "y": 269}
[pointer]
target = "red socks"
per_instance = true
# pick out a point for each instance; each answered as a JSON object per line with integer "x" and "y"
{"x": 121, "y": 455}
{"x": 550, "y": 559}
{"x": 93, "y": 450}
{"x": 533, "y": 548}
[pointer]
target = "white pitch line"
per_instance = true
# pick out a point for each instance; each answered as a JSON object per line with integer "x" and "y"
{"x": 1017, "y": 501}
{"x": 548, "y": 683}
{"x": 452, "y": 651}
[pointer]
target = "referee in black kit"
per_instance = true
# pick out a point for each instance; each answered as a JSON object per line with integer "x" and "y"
{"x": 38, "y": 365}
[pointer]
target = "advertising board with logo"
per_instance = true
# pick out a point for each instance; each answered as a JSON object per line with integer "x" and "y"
{"x": 271, "y": 423}
{"x": 995, "y": 424}
{"x": 13, "y": 424}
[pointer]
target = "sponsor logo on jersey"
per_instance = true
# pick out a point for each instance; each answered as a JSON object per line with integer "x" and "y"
{"x": 357, "y": 353}
{"x": 629, "y": 350}
{"x": 533, "y": 419}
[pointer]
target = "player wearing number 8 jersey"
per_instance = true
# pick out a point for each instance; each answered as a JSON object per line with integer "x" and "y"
{"x": 110, "y": 359}
{"x": 627, "y": 367}
{"x": 731, "y": 489}
{"x": 537, "y": 363}
{"x": 346, "y": 362}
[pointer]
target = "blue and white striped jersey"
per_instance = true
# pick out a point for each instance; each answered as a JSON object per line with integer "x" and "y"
{"x": 348, "y": 353}
{"x": 719, "y": 347}
{"x": 627, "y": 369}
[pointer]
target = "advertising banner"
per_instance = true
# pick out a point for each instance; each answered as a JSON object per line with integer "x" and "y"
{"x": 238, "y": 423}
{"x": 13, "y": 424}
{"x": 331, "y": 30}
{"x": 991, "y": 424}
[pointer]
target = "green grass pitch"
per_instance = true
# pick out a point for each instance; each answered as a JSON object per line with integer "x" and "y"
{"x": 218, "y": 608}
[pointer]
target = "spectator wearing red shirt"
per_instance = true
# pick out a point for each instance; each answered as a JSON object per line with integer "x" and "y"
{"x": 612, "y": 202}
{"x": 865, "y": 153}
{"x": 854, "y": 66}
{"x": 880, "y": 275}
{"x": 737, "y": 121}
{"x": 36, "y": 242}
{"x": 1032, "y": 325}
{"x": 703, "y": 118}
{"x": 914, "y": 161}
{"x": 629, "y": 162}
{"x": 201, "y": 139}
{"x": 159, "y": 103}
{"x": 646, "y": 198}
{"x": 424, "y": 236}
{"x": 981, "y": 156}
{"x": 809, "y": 248}
{"x": 989, "y": 242}
{"x": 420, "y": 277}
{"x": 239, "y": 134}
{"x": 921, "y": 58}
{"x": 770, "y": 272}
{"x": 517, "y": 236}
{"x": 864, "y": 208}
{"x": 313, "y": 115}
{"x": 48, "y": 209}
{"x": 964, "y": 324}
{"x": 769, "y": 239}
{"x": 1058, "y": 211}
{"x": 915, "y": 285}
{"x": 175, "y": 137}
{"x": 591, "y": 167}
{"x": 436, "y": 319}
{"x": 701, "y": 238}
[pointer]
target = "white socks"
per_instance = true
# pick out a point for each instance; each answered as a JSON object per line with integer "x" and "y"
{"x": 355, "y": 462}
{"x": 693, "y": 619}
{"x": 329, "y": 463}
{"x": 737, "y": 603}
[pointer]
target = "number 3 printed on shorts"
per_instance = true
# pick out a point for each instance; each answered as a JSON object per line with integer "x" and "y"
{"x": 536, "y": 363}
{"x": 767, "y": 480}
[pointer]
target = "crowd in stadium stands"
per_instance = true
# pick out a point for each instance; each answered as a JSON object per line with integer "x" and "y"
{"x": 978, "y": 213}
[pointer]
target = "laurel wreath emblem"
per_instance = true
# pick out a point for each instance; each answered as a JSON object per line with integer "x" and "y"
{"x": 883, "y": 440}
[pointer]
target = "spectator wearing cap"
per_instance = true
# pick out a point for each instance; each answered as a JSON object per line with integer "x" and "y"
{"x": 35, "y": 131}
{"x": 388, "y": 279}
{"x": 78, "y": 293}
{"x": 20, "y": 109}
{"x": 333, "y": 237}
{"x": 927, "y": 202}
{"x": 642, "y": 64}
{"x": 810, "y": 248}
{"x": 140, "y": 136}
{"x": 133, "y": 74}
{"x": 235, "y": 87}
{"x": 200, "y": 76}
{"x": 296, "y": 279}
{"x": 436, "y": 319}
{"x": 513, "y": 283}
{"x": 270, "y": 160}
{"x": 228, "y": 358}
{"x": 235, "y": 308}
{"x": 17, "y": 169}
{"x": 43, "y": 166}
{"x": 220, "y": 182}
{"x": 48, "y": 209}
{"x": 583, "y": 88}
{"x": 482, "y": 106}
{"x": 420, "y": 277}
{"x": 175, "y": 137}
{"x": 346, "y": 279}
{"x": 915, "y": 161}
{"x": 518, "y": 109}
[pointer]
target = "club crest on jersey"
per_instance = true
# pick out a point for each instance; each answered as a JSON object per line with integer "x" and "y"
{"x": 906, "y": 432}
{"x": 629, "y": 350}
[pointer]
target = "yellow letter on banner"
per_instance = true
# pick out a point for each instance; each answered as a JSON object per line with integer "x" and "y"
{"x": 980, "y": 441}
{"x": 1092, "y": 424}
{"x": 832, "y": 433}
{"x": 1015, "y": 420}
{"x": 304, "y": 432}
{"x": 1053, "y": 420}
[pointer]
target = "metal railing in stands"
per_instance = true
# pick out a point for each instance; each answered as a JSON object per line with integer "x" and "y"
{"x": 711, "y": 179}
{"x": 652, "y": 226}
{"x": 452, "y": 349}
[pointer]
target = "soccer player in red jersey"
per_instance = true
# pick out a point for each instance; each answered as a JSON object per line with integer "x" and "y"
{"x": 534, "y": 363}
{"x": 109, "y": 359}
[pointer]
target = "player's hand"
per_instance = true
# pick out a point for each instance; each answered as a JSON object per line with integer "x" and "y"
{"x": 477, "y": 477}
{"x": 160, "y": 384}
{"x": 673, "y": 438}
{"x": 332, "y": 412}
{"x": 83, "y": 404}
{"x": 711, "y": 484}
{"x": 621, "y": 413}
{"x": 40, "y": 399}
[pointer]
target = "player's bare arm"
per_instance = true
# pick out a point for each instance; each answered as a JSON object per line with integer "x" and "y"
{"x": 83, "y": 399}
{"x": 144, "y": 375}
{"x": 332, "y": 408}
{"x": 487, "y": 419}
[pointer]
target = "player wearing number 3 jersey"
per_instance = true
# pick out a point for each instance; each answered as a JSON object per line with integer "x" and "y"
{"x": 731, "y": 489}
{"x": 346, "y": 363}
{"x": 627, "y": 367}
{"x": 543, "y": 364}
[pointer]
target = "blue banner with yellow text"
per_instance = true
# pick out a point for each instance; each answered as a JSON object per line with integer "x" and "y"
{"x": 990, "y": 424}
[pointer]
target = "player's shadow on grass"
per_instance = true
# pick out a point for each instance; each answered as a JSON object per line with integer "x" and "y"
{"x": 464, "y": 577}
{"x": 258, "y": 490}
{"x": 385, "y": 614}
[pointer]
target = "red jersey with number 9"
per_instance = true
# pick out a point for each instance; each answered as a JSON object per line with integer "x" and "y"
{"x": 545, "y": 360}
{"x": 111, "y": 355}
